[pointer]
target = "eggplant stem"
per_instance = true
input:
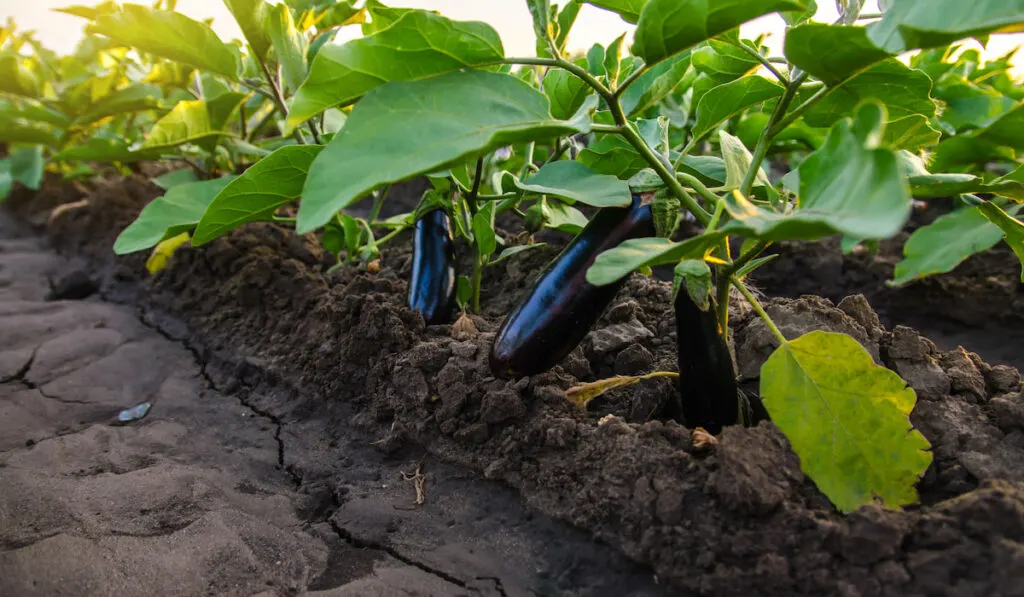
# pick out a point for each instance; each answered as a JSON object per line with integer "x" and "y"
{"x": 759, "y": 309}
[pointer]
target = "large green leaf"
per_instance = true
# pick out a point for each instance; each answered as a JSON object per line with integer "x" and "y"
{"x": 667, "y": 27}
{"x": 169, "y": 35}
{"x": 26, "y": 166}
{"x": 850, "y": 186}
{"x": 106, "y": 149}
{"x": 565, "y": 91}
{"x": 133, "y": 98}
{"x": 615, "y": 264}
{"x": 903, "y": 90}
{"x": 574, "y": 181}
{"x": 1007, "y": 129}
{"x": 289, "y": 44}
{"x": 722, "y": 59}
{"x": 913, "y": 24}
{"x": 611, "y": 154}
{"x": 656, "y": 83}
{"x": 847, "y": 419}
{"x": 15, "y": 78}
{"x": 1012, "y": 228}
{"x": 272, "y": 182}
{"x": 197, "y": 121}
{"x": 969, "y": 105}
{"x": 832, "y": 53}
{"x": 179, "y": 210}
{"x": 19, "y": 130}
{"x": 629, "y": 10}
{"x": 944, "y": 244}
{"x": 725, "y": 101}
{"x": 419, "y": 45}
{"x": 413, "y": 127}
{"x": 251, "y": 18}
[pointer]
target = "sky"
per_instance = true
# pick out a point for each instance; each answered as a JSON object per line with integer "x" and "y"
{"x": 509, "y": 17}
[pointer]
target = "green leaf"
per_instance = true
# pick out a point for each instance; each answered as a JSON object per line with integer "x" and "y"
{"x": 850, "y": 186}
{"x": 169, "y": 35}
{"x": 483, "y": 231}
{"x": 137, "y": 97}
{"x": 1007, "y": 129}
{"x": 26, "y": 166}
{"x": 652, "y": 86}
{"x": 6, "y": 180}
{"x": 18, "y": 130}
{"x": 564, "y": 218}
{"x": 419, "y": 45}
{"x": 695, "y": 276}
{"x": 832, "y": 53}
{"x": 540, "y": 11}
{"x": 667, "y": 27}
{"x": 15, "y": 78}
{"x": 847, "y": 419}
{"x": 613, "y": 59}
{"x": 944, "y": 244}
{"x": 251, "y": 18}
{"x": 737, "y": 159}
{"x": 1013, "y": 229}
{"x": 904, "y": 92}
{"x": 574, "y": 181}
{"x": 615, "y": 264}
{"x": 629, "y": 10}
{"x": 913, "y": 24}
{"x": 382, "y": 17}
{"x": 289, "y": 44}
{"x": 258, "y": 193}
{"x": 911, "y": 133}
{"x": 969, "y": 105}
{"x": 565, "y": 91}
{"x": 164, "y": 217}
{"x": 408, "y": 128}
{"x": 175, "y": 178}
{"x": 195, "y": 121}
{"x": 106, "y": 149}
{"x": 611, "y": 154}
{"x": 722, "y": 59}
{"x": 725, "y": 101}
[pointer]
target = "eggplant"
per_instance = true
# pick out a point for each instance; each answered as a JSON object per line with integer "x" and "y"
{"x": 708, "y": 394}
{"x": 432, "y": 287}
{"x": 555, "y": 315}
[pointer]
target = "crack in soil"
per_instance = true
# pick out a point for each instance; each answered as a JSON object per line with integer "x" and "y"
{"x": 19, "y": 375}
{"x": 358, "y": 543}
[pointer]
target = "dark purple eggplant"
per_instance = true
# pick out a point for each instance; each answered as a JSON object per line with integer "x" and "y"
{"x": 709, "y": 396}
{"x": 555, "y": 315}
{"x": 432, "y": 287}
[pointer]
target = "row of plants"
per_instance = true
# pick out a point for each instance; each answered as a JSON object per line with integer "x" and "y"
{"x": 835, "y": 137}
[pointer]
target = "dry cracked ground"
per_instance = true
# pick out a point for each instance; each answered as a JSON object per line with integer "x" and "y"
{"x": 215, "y": 493}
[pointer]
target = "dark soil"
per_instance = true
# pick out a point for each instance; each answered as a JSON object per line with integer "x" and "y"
{"x": 339, "y": 356}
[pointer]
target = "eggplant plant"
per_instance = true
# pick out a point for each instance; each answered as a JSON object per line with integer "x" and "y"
{"x": 293, "y": 126}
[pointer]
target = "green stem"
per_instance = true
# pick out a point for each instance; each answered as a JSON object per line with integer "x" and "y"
{"x": 608, "y": 129}
{"x": 528, "y": 160}
{"x": 748, "y": 256}
{"x": 284, "y": 220}
{"x": 630, "y": 80}
{"x": 763, "y": 60}
{"x": 260, "y": 126}
{"x": 278, "y": 99}
{"x": 695, "y": 184}
{"x": 663, "y": 171}
{"x": 378, "y": 203}
{"x": 800, "y": 110}
{"x": 478, "y": 261}
{"x": 756, "y": 304}
{"x": 390, "y": 235}
{"x": 767, "y": 135}
{"x": 242, "y": 120}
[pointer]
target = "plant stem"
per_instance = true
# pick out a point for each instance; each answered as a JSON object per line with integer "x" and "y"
{"x": 763, "y": 60}
{"x": 759, "y": 309}
{"x": 284, "y": 220}
{"x": 631, "y": 79}
{"x": 478, "y": 260}
{"x": 747, "y": 257}
{"x": 278, "y": 99}
{"x": 767, "y": 134}
{"x": 663, "y": 171}
{"x": 378, "y": 203}
{"x": 800, "y": 110}
{"x": 695, "y": 184}
{"x": 528, "y": 161}
{"x": 242, "y": 121}
{"x": 391, "y": 235}
{"x": 608, "y": 129}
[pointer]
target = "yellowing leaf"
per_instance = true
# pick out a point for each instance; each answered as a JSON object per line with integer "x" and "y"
{"x": 847, "y": 419}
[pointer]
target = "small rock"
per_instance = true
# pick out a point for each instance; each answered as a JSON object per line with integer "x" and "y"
{"x": 74, "y": 286}
{"x": 615, "y": 337}
{"x": 633, "y": 360}
{"x": 1002, "y": 379}
{"x": 913, "y": 357}
{"x": 577, "y": 365}
{"x": 464, "y": 350}
{"x": 474, "y": 434}
{"x": 964, "y": 376}
{"x": 857, "y": 307}
{"x": 623, "y": 312}
{"x": 1008, "y": 411}
{"x": 502, "y": 405}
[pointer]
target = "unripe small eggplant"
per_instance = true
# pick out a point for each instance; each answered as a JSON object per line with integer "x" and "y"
{"x": 432, "y": 286}
{"x": 709, "y": 395}
{"x": 554, "y": 316}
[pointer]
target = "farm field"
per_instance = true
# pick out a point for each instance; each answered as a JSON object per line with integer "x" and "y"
{"x": 400, "y": 314}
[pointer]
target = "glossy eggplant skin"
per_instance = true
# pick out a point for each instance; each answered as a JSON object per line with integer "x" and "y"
{"x": 432, "y": 286}
{"x": 555, "y": 315}
{"x": 707, "y": 378}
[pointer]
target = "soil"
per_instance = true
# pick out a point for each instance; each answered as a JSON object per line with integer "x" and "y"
{"x": 524, "y": 493}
